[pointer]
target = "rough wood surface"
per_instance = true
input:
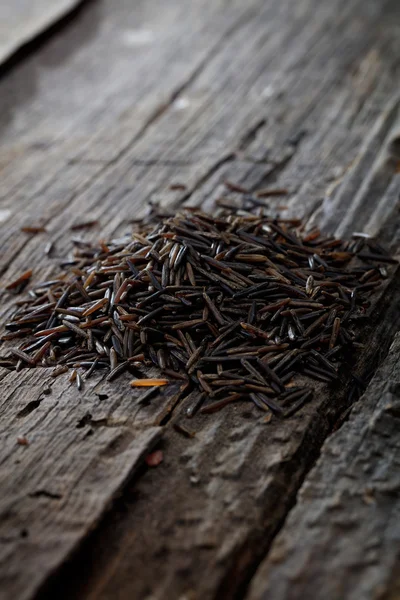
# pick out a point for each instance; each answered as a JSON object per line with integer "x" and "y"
{"x": 55, "y": 489}
{"x": 101, "y": 119}
{"x": 23, "y": 20}
{"x": 346, "y": 521}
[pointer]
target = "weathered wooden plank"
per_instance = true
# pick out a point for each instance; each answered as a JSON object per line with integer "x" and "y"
{"x": 343, "y": 536}
{"x": 56, "y": 488}
{"x": 23, "y": 20}
{"x": 229, "y": 101}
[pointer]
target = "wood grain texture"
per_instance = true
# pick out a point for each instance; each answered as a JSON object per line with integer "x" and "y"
{"x": 346, "y": 520}
{"x": 23, "y": 20}
{"x": 104, "y": 117}
{"x": 55, "y": 489}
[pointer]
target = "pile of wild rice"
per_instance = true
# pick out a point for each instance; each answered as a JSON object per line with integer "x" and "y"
{"x": 235, "y": 305}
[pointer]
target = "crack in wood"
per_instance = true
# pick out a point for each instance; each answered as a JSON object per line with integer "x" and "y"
{"x": 29, "y": 408}
{"x": 45, "y": 494}
{"x": 251, "y": 135}
{"x": 88, "y": 421}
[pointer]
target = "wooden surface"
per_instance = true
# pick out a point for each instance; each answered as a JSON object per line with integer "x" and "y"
{"x": 111, "y": 110}
{"x": 21, "y": 21}
{"x": 347, "y": 513}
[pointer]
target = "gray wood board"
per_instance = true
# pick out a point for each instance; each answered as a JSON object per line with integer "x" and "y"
{"x": 103, "y": 118}
{"x": 343, "y": 536}
{"x": 21, "y": 21}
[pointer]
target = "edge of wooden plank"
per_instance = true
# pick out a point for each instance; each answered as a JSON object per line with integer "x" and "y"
{"x": 343, "y": 535}
{"x": 31, "y": 29}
